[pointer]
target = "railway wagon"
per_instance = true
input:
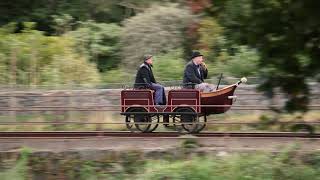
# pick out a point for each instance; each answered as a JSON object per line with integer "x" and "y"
{"x": 185, "y": 108}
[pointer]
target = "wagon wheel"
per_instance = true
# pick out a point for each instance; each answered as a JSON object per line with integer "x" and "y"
{"x": 176, "y": 123}
{"x": 144, "y": 119}
{"x": 189, "y": 121}
{"x": 135, "y": 119}
{"x": 155, "y": 119}
{"x": 130, "y": 122}
{"x": 202, "y": 122}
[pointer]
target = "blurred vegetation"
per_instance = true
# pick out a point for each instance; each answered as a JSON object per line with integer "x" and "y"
{"x": 31, "y": 58}
{"x": 258, "y": 166}
{"x": 169, "y": 66}
{"x": 287, "y": 35}
{"x": 99, "y": 42}
{"x": 243, "y": 62}
{"x": 286, "y": 164}
{"x": 102, "y": 41}
{"x": 19, "y": 171}
{"x": 157, "y": 30}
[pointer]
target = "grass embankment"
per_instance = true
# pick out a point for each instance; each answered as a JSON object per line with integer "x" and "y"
{"x": 134, "y": 165}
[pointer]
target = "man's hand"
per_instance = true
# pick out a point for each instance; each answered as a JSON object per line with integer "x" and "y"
{"x": 203, "y": 65}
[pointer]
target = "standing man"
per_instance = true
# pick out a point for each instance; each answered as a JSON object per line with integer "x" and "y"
{"x": 195, "y": 72}
{"x": 145, "y": 79}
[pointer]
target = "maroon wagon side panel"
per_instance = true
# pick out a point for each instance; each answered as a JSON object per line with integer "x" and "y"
{"x": 141, "y": 98}
{"x": 184, "y": 97}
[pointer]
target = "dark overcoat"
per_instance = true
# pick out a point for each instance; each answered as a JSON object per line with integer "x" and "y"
{"x": 191, "y": 75}
{"x": 144, "y": 76}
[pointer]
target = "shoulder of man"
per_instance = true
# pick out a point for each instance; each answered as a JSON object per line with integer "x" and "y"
{"x": 143, "y": 65}
{"x": 190, "y": 64}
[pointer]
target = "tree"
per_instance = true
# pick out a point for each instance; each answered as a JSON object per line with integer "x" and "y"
{"x": 287, "y": 34}
{"x": 165, "y": 63}
{"x": 244, "y": 62}
{"x": 31, "y": 58}
{"x": 157, "y": 30}
{"x": 99, "y": 42}
{"x": 211, "y": 38}
{"x": 42, "y": 11}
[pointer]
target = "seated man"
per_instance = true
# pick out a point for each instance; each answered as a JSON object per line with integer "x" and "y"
{"x": 195, "y": 72}
{"x": 145, "y": 79}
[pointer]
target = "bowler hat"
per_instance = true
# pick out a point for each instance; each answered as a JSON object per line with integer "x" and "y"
{"x": 195, "y": 54}
{"x": 146, "y": 57}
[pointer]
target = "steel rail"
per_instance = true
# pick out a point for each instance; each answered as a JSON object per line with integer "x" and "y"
{"x": 59, "y": 122}
{"x": 99, "y": 106}
{"x": 114, "y": 110}
{"x": 128, "y": 106}
{"x": 86, "y": 134}
{"x": 23, "y": 94}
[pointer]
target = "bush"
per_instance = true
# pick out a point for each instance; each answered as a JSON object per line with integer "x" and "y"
{"x": 246, "y": 167}
{"x": 99, "y": 42}
{"x": 157, "y": 30}
{"x": 243, "y": 63}
{"x": 169, "y": 66}
{"x": 32, "y": 58}
{"x": 119, "y": 76}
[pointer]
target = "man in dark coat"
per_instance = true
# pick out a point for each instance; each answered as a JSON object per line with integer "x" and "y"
{"x": 195, "y": 72}
{"x": 145, "y": 79}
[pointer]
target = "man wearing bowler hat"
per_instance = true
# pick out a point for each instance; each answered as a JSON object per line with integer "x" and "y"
{"x": 145, "y": 79}
{"x": 195, "y": 72}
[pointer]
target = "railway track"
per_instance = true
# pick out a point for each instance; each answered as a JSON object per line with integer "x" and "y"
{"x": 88, "y": 134}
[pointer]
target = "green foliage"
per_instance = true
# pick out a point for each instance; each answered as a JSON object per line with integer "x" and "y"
{"x": 221, "y": 55}
{"x": 20, "y": 169}
{"x": 244, "y": 62}
{"x": 62, "y": 23}
{"x": 235, "y": 13}
{"x": 157, "y": 30}
{"x": 210, "y": 37}
{"x": 286, "y": 34}
{"x": 88, "y": 172}
{"x": 169, "y": 66}
{"x": 190, "y": 143}
{"x": 119, "y": 75}
{"x": 246, "y": 167}
{"x": 70, "y": 69}
{"x": 99, "y": 42}
{"x": 31, "y": 58}
{"x": 303, "y": 128}
{"x": 45, "y": 12}
{"x": 287, "y": 164}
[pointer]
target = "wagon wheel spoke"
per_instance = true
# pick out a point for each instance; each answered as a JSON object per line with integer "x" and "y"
{"x": 189, "y": 122}
{"x": 177, "y": 123}
{"x": 130, "y": 122}
{"x": 155, "y": 119}
{"x": 202, "y": 122}
{"x": 154, "y": 123}
{"x": 142, "y": 122}
{"x": 191, "y": 127}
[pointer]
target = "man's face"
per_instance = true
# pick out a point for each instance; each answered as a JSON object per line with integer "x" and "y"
{"x": 149, "y": 61}
{"x": 198, "y": 60}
